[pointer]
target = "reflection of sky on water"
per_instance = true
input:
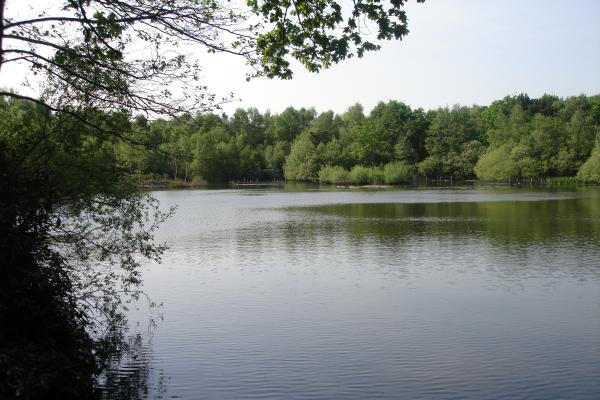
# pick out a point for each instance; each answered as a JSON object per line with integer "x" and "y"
{"x": 468, "y": 293}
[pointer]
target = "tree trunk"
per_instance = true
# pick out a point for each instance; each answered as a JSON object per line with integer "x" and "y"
{"x": 2, "y": 3}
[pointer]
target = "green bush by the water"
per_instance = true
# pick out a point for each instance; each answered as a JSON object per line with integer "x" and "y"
{"x": 398, "y": 172}
{"x": 362, "y": 175}
{"x": 377, "y": 175}
{"x": 590, "y": 170}
{"x": 333, "y": 174}
{"x": 497, "y": 164}
{"x": 394, "y": 173}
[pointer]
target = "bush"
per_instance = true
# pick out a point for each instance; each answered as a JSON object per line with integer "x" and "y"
{"x": 302, "y": 162}
{"x": 497, "y": 164}
{"x": 363, "y": 175}
{"x": 333, "y": 174}
{"x": 377, "y": 175}
{"x": 590, "y": 170}
{"x": 398, "y": 172}
{"x": 360, "y": 175}
{"x": 430, "y": 166}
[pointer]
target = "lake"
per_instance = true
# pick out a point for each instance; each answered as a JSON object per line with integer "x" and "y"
{"x": 308, "y": 293}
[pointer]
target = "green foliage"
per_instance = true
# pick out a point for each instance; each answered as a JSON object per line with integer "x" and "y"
{"x": 286, "y": 126}
{"x": 430, "y": 166}
{"x": 452, "y": 142}
{"x": 319, "y": 33}
{"x": 368, "y": 144}
{"x": 398, "y": 172}
{"x": 377, "y": 175}
{"x": 71, "y": 237}
{"x": 464, "y": 162}
{"x": 335, "y": 174}
{"x": 275, "y": 158}
{"x": 581, "y": 133}
{"x": 497, "y": 165}
{"x": 353, "y": 116}
{"x": 535, "y": 138}
{"x": 88, "y": 67}
{"x": 590, "y": 170}
{"x": 361, "y": 175}
{"x": 302, "y": 163}
{"x": 404, "y": 151}
{"x": 324, "y": 128}
{"x": 215, "y": 154}
{"x": 447, "y": 142}
{"x": 249, "y": 127}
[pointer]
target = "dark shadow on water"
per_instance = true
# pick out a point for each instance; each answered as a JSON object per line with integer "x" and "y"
{"x": 130, "y": 373}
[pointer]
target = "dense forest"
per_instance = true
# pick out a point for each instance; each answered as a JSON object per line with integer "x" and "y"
{"x": 516, "y": 138}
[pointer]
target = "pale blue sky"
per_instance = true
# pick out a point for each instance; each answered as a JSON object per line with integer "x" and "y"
{"x": 458, "y": 51}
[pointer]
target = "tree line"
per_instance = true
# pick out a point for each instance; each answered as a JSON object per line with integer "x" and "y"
{"x": 515, "y": 138}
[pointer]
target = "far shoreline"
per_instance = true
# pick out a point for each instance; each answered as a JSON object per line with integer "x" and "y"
{"x": 149, "y": 184}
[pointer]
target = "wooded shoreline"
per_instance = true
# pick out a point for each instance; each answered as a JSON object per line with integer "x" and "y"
{"x": 516, "y": 138}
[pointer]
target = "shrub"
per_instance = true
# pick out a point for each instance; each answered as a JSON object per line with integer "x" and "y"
{"x": 497, "y": 164}
{"x": 590, "y": 170}
{"x": 377, "y": 175}
{"x": 363, "y": 175}
{"x": 360, "y": 175}
{"x": 398, "y": 172}
{"x": 429, "y": 166}
{"x": 302, "y": 163}
{"x": 333, "y": 174}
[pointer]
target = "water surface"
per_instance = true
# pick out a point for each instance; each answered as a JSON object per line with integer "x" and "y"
{"x": 416, "y": 294}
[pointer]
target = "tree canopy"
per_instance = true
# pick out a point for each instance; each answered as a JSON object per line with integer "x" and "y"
{"x": 115, "y": 54}
{"x": 458, "y": 142}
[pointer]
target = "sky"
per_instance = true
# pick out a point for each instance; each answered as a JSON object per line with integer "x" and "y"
{"x": 457, "y": 52}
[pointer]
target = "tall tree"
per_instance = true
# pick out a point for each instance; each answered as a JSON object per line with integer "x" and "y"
{"x": 290, "y": 123}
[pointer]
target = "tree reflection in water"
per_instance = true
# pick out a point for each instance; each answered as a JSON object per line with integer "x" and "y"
{"x": 130, "y": 373}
